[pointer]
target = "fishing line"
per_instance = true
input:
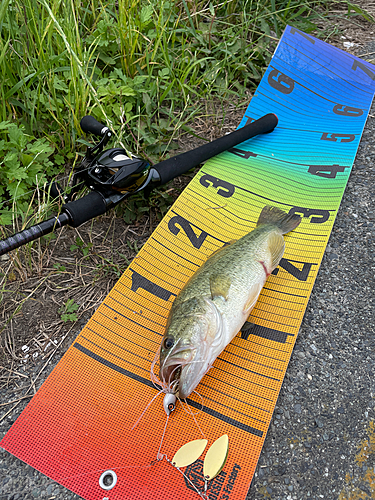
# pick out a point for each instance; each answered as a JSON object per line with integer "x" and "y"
{"x": 150, "y": 465}
{"x": 162, "y": 438}
{"x": 97, "y": 471}
{"x": 159, "y": 456}
{"x": 154, "y": 379}
{"x": 189, "y": 412}
{"x": 202, "y": 494}
{"x": 15, "y": 198}
{"x": 147, "y": 407}
{"x": 202, "y": 404}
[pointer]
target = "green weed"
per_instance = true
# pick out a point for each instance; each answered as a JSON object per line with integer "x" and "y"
{"x": 144, "y": 67}
{"x": 82, "y": 246}
{"x": 25, "y": 163}
{"x": 133, "y": 246}
{"x": 68, "y": 311}
{"x": 59, "y": 268}
{"x": 107, "y": 267}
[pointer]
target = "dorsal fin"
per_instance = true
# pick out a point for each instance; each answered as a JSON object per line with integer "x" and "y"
{"x": 284, "y": 221}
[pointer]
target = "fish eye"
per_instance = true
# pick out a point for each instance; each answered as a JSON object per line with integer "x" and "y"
{"x": 168, "y": 342}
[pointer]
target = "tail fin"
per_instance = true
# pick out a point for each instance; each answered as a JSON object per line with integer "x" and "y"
{"x": 284, "y": 221}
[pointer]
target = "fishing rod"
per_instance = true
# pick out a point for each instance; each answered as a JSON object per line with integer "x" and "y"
{"x": 111, "y": 175}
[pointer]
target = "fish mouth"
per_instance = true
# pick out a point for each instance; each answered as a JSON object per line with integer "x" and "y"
{"x": 183, "y": 368}
{"x": 182, "y": 374}
{"x": 180, "y": 378}
{"x": 170, "y": 374}
{"x": 190, "y": 377}
{"x": 173, "y": 366}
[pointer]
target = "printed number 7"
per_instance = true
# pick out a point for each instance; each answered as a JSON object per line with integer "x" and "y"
{"x": 358, "y": 64}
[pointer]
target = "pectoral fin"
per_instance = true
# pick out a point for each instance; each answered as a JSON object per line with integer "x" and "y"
{"x": 252, "y": 297}
{"x": 219, "y": 285}
{"x": 276, "y": 245}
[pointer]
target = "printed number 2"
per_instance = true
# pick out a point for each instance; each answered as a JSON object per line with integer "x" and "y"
{"x": 299, "y": 274}
{"x": 196, "y": 241}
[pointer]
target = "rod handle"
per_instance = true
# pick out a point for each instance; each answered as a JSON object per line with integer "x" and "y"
{"x": 173, "y": 167}
{"x": 32, "y": 233}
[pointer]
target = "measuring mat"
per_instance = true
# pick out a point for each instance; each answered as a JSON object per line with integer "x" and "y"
{"x": 79, "y": 424}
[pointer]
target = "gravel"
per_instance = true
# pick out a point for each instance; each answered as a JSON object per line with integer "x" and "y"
{"x": 328, "y": 397}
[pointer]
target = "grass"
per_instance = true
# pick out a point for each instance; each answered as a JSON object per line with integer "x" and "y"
{"x": 63, "y": 285}
{"x": 145, "y": 67}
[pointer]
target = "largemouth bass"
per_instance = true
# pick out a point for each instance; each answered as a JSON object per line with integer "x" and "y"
{"x": 217, "y": 300}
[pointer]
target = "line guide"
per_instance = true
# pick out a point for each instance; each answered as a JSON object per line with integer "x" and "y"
{"x": 79, "y": 423}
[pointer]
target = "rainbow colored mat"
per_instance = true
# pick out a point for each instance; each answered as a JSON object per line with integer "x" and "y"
{"x": 79, "y": 422}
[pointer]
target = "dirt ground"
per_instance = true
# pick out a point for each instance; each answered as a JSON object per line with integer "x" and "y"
{"x": 49, "y": 292}
{"x": 77, "y": 269}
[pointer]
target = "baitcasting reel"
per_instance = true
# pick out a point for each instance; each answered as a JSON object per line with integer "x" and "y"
{"x": 111, "y": 172}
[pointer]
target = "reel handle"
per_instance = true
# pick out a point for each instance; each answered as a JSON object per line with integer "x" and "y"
{"x": 90, "y": 125}
{"x": 171, "y": 168}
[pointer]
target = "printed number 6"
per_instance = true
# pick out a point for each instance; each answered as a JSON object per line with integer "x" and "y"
{"x": 283, "y": 84}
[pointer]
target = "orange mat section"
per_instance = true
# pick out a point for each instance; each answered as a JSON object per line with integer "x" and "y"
{"x": 79, "y": 423}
